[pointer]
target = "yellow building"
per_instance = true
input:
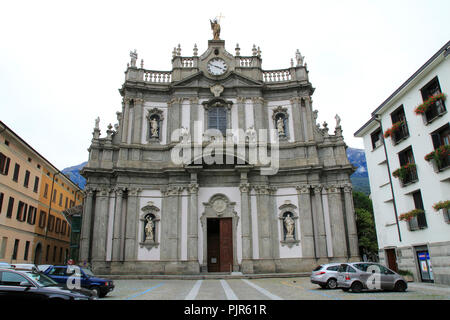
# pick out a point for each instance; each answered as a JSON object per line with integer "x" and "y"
{"x": 33, "y": 195}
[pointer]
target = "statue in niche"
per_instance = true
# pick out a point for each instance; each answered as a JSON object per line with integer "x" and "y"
{"x": 149, "y": 235}
{"x": 289, "y": 225}
{"x": 215, "y": 27}
{"x": 154, "y": 128}
{"x": 280, "y": 126}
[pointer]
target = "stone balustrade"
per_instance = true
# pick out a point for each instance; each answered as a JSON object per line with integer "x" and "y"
{"x": 245, "y": 62}
{"x": 277, "y": 76}
{"x": 157, "y": 76}
{"x": 187, "y": 62}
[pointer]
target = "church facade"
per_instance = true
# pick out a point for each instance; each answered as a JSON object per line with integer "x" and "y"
{"x": 217, "y": 166}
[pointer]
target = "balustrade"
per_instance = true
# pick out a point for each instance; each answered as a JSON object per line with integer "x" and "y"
{"x": 277, "y": 75}
{"x": 157, "y": 76}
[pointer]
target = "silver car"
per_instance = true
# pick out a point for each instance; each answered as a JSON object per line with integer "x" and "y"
{"x": 359, "y": 276}
{"x": 325, "y": 275}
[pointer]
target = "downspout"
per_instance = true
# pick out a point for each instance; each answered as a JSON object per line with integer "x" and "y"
{"x": 390, "y": 178}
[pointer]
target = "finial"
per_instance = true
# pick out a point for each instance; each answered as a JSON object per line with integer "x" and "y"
{"x": 195, "y": 50}
{"x": 179, "y": 50}
{"x": 174, "y": 52}
{"x": 254, "y": 50}
{"x": 258, "y": 53}
{"x": 292, "y": 63}
{"x": 238, "y": 50}
{"x": 142, "y": 63}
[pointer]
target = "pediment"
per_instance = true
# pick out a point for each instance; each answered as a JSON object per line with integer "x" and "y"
{"x": 233, "y": 80}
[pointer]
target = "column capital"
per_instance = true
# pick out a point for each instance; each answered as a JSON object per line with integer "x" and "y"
{"x": 332, "y": 189}
{"x": 193, "y": 188}
{"x": 244, "y": 187}
{"x": 348, "y": 188}
{"x": 133, "y": 192}
{"x": 317, "y": 188}
{"x": 304, "y": 189}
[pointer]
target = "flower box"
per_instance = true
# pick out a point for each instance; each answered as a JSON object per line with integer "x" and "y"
{"x": 440, "y": 156}
{"x": 445, "y": 207}
{"x": 408, "y": 216}
{"x": 395, "y": 127}
{"x": 425, "y": 106}
{"x": 406, "y": 173}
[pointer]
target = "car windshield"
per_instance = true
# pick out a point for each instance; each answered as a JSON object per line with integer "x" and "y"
{"x": 87, "y": 272}
{"x": 41, "y": 279}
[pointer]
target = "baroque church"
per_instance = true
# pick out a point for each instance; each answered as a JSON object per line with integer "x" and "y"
{"x": 217, "y": 166}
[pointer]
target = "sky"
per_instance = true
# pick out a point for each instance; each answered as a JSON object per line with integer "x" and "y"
{"x": 62, "y": 62}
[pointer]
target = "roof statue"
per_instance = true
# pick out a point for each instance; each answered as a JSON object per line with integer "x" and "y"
{"x": 215, "y": 27}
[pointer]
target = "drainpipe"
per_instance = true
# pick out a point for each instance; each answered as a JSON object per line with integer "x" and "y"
{"x": 390, "y": 178}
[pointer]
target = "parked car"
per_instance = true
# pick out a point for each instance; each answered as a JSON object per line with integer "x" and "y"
{"x": 33, "y": 285}
{"x": 25, "y": 266}
{"x": 88, "y": 280}
{"x": 359, "y": 276}
{"x": 325, "y": 275}
{"x": 43, "y": 267}
{"x": 5, "y": 265}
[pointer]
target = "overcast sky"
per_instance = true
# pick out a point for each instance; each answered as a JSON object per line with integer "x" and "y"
{"x": 62, "y": 63}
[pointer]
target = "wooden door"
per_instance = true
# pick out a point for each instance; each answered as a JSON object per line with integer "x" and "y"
{"x": 213, "y": 245}
{"x": 226, "y": 245}
{"x": 391, "y": 259}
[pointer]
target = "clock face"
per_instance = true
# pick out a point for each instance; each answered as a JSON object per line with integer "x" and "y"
{"x": 217, "y": 66}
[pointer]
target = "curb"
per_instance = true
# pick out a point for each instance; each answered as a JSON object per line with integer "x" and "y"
{"x": 202, "y": 276}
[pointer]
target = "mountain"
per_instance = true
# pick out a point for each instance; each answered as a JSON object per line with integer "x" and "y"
{"x": 74, "y": 174}
{"x": 360, "y": 178}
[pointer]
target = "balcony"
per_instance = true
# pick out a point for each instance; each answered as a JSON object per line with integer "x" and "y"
{"x": 407, "y": 174}
{"x": 398, "y": 132}
{"x": 432, "y": 108}
{"x": 440, "y": 158}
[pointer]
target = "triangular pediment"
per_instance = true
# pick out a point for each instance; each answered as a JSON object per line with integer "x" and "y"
{"x": 233, "y": 80}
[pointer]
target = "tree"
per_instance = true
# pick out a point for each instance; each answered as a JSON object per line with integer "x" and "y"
{"x": 365, "y": 224}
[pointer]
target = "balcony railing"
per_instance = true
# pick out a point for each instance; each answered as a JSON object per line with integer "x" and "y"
{"x": 435, "y": 110}
{"x": 407, "y": 174}
{"x": 401, "y": 134}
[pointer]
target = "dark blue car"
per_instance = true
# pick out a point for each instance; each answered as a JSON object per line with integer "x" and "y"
{"x": 81, "y": 275}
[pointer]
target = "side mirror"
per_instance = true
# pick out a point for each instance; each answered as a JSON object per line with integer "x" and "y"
{"x": 25, "y": 284}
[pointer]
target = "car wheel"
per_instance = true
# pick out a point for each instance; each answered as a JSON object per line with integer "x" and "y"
{"x": 332, "y": 284}
{"x": 400, "y": 286}
{"x": 357, "y": 287}
{"x": 96, "y": 291}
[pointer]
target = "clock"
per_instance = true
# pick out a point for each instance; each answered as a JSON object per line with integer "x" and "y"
{"x": 217, "y": 66}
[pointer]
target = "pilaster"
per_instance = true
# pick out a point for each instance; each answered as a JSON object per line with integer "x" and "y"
{"x": 351, "y": 221}
{"x": 100, "y": 225}
{"x": 306, "y": 221}
{"x": 338, "y": 233}
{"x": 321, "y": 237}
{"x": 85, "y": 237}
{"x": 131, "y": 224}
{"x": 117, "y": 235}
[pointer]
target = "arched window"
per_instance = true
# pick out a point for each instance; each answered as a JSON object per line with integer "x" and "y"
{"x": 217, "y": 119}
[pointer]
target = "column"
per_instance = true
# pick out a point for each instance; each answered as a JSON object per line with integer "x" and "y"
{"x": 264, "y": 222}
{"x": 241, "y": 113}
{"x": 137, "y": 122}
{"x": 85, "y": 237}
{"x": 352, "y": 232}
{"x": 169, "y": 224}
{"x": 246, "y": 222}
{"x": 173, "y": 117}
{"x": 297, "y": 118}
{"x": 319, "y": 217}
{"x": 309, "y": 120}
{"x": 306, "y": 222}
{"x": 338, "y": 234}
{"x": 117, "y": 226}
{"x": 131, "y": 225}
{"x": 125, "y": 120}
{"x": 100, "y": 225}
{"x": 192, "y": 247}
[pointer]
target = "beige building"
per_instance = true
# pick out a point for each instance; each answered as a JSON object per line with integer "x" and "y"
{"x": 28, "y": 233}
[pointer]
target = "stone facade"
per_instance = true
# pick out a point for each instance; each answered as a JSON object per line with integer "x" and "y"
{"x": 132, "y": 176}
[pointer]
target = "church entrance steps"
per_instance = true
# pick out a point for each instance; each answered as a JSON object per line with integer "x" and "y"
{"x": 204, "y": 276}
